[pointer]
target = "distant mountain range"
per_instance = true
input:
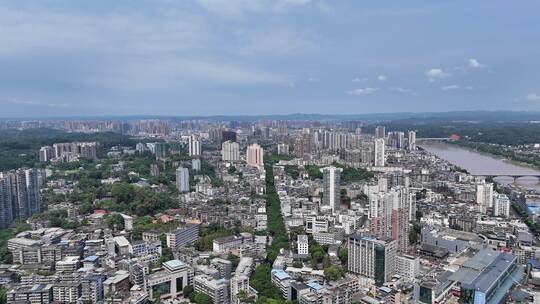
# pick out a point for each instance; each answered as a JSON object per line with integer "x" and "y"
{"x": 466, "y": 116}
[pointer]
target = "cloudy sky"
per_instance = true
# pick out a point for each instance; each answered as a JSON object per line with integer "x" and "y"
{"x": 206, "y": 57}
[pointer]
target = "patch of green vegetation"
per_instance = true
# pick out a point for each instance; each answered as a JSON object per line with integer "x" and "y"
{"x": 276, "y": 226}
{"x": 207, "y": 235}
{"x": 314, "y": 171}
{"x": 260, "y": 281}
{"x": 21, "y": 148}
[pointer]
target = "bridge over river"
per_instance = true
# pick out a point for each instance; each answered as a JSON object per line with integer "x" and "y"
{"x": 514, "y": 176}
{"x": 479, "y": 164}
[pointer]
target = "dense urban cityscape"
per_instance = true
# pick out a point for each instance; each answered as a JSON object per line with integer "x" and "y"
{"x": 269, "y": 152}
{"x": 258, "y": 211}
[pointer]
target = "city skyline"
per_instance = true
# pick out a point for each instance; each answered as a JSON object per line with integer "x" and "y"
{"x": 212, "y": 57}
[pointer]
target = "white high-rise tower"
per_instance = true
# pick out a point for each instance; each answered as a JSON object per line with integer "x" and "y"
{"x": 331, "y": 182}
{"x": 194, "y": 146}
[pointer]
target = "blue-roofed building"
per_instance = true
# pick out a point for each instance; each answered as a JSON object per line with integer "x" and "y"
{"x": 282, "y": 280}
{"x": 533, "y": 208}
{"x": 314, "y": 285}
{"x": 91, "y": 261}
{"x": 487, "y": 276}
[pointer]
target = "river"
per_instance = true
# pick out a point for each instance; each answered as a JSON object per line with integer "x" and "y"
{"x": 478, "y": 163}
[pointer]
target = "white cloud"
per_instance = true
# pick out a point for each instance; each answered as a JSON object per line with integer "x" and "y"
{"x": 381, "y": 77}
{"x": 131, "y": 51}
{"x": 364, "y": 91}
{"x": 399, "y": 90}
{"x": 450, "y": 87}
{"x": 473, "y": 63}
{"x": 436, "y": 73}
{"x": 274, "y": 41}
{"x": 358, "y": 79}
{"x": 239, "y": 8}
{"x": 533, "y": 97}
{"x": 175, "y": 72}
{"x": 34, "y": 103}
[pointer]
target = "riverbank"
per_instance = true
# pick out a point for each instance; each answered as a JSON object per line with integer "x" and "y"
{"x": 477, "y": 163}
{"x": 497, "y": 152}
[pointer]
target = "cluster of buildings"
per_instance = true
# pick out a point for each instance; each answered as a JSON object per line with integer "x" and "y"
{"x": 20, "y": 196}
{"x": 371, "y": 218}
{"x": 68, "y": 152}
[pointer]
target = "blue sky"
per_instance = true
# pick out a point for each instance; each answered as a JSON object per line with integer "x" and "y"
{"x": 206, "y": 57}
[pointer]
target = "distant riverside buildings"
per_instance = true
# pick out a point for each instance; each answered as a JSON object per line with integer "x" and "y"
{"x": 331, "y": 182}
{"x": 255, "y": 156}
{"x": 182, "y": 179}
{"x": 396, "y": 140}
{"x": 230, "y": 151}
{"x": 412, "y": 140}
{"x": 19, "y": 195}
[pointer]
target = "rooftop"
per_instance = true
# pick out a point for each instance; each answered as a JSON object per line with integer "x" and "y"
{"x": 280, "y": 274}
{"x": 174, "y": 265}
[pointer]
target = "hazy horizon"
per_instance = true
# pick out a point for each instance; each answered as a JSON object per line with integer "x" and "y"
{"x": 454, "y": 115}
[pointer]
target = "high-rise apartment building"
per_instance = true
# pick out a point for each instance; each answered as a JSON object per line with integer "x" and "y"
{"x": 6, "y": 201}
{"x": 390, "y": 214}
{"x": 396, "y": 140}
{"x": 182, "y": 179}
{"x": 408, "y": 267}
{"x": 196, "y": 164}
{"x": 283, "y": 149}
{"x": 182, "y": 237}
{"x": 484, "y": 196}
{"x": 194, "y": 145}
{"x": 46, "y": 154}
{"x": 19, "y": 195}
{"x": 379, "y": 158}
{"x": 32, "y": 189}
{"x": 501, "y": 205}
{"x": 79, "y": 149}
{"x": 230, "y": 151}
{"x": 372, "y": 257}
{"x": 412, "y": 141}
{"x": 255, "y": 156}
{"x": 331, "y": 191}
{"x": 160, "y": 150}
{"x": 380, "y": 132}
{"x": 217, "y": 290}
